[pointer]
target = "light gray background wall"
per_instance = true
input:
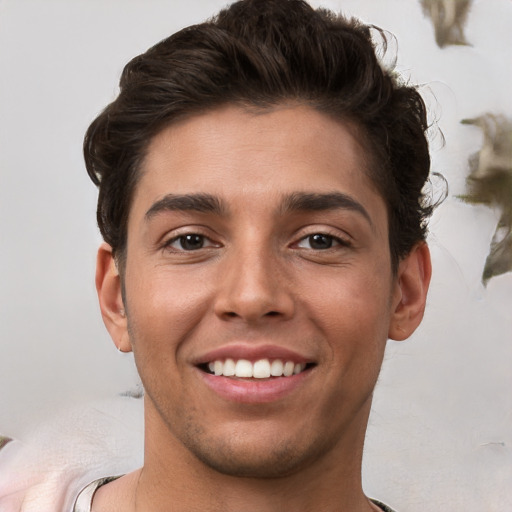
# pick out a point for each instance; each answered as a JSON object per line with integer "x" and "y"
{"x": 441, "y": 429}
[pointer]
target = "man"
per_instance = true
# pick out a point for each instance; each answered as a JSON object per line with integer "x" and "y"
{"x": 260, "y": 196}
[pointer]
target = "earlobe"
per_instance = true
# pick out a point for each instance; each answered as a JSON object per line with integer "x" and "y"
{"x": 108, "y": 287}
{"x": 412, "y": 282}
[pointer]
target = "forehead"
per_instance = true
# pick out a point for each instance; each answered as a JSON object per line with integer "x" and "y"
{"x": 248, "y": 157}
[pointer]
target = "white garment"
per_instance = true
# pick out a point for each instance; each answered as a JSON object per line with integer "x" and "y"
{"x": 84, "y": 500}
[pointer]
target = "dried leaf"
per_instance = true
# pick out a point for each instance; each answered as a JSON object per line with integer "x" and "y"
{"x": 449, "y": 18}
{"x": 4, "y": 440}
{"x": 490, "y": 183}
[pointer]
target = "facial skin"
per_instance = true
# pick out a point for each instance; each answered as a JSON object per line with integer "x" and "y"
{"x": 287, "y": 257}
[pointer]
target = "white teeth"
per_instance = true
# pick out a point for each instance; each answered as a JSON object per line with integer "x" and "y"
{"x": 217, "y": 367}
{"x": 261, "y": 369}
{"x": 243, "y": 368}
{"x": 288, "y": 368}
{"x": 229, "y": 368}
{"x": 276, "y": 368}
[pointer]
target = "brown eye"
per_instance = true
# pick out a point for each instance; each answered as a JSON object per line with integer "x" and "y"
{"x": 320, "y": 241}
{"x": 191, "y": 242}
{"x": 188, "y": 242}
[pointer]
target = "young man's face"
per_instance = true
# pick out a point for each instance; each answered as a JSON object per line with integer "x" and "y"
{"x": 258, "y": 238}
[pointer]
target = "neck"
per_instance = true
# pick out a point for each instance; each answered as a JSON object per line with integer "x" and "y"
{"x": 174, "y": 479}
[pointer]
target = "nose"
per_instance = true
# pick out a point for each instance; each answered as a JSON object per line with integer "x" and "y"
{"x": 253, "y": 287}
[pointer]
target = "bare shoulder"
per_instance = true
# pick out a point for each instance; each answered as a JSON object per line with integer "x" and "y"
{"x": 116, "y": 495}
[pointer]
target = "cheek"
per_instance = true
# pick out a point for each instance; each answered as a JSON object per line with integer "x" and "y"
{"x": 352, "y": 312}
{"x": 350, "y": 295}
{"x": 163, "y": 309}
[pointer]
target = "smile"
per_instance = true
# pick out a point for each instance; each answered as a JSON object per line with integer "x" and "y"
{"x": 252, "y": 382}
{"x": 254, "y": 373}
{"x": 260, "y": 369}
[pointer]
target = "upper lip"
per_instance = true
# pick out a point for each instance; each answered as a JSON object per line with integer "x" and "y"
{"x": 252, "y": 353}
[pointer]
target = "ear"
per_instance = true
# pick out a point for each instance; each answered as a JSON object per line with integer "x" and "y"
{"x": 108, "y": 286}
{"x": 411, "y": 286}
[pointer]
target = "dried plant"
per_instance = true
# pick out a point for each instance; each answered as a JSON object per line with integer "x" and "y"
{"x": 3, "y": 441}
{"x": 449, "y": 18}
{"x": 490, "y": 182}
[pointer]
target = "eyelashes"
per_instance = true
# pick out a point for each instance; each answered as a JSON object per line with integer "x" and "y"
{"x": 193, "y": 242}
{"x": 321, "y": 242}
{"x": 190, "y": 242}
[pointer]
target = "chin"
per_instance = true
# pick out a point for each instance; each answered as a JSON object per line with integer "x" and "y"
{"x": 254, "y": 457}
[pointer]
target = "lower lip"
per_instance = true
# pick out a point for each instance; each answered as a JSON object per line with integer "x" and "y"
{"x": 253, "y": 391}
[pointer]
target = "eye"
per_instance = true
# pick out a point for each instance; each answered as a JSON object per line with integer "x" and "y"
{"x": 189, "y": 242}
{"x": 319, "y": 242}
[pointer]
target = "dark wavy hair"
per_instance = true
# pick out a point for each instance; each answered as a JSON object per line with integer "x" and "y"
{"x": 260, "y": 53}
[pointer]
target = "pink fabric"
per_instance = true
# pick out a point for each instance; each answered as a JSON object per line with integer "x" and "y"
{"x": 46, "y": 471}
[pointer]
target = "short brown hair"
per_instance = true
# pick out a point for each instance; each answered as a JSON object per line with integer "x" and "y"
{"x": 261, "y": 53}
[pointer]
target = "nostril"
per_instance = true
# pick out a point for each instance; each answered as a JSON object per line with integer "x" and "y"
{"x": 273, "y": 313}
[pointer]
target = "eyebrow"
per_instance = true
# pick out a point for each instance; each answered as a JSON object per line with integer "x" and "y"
{"x": 295, "y": 202}
{"x": 203, "y": 203}
{"x": 304, "y": 201}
